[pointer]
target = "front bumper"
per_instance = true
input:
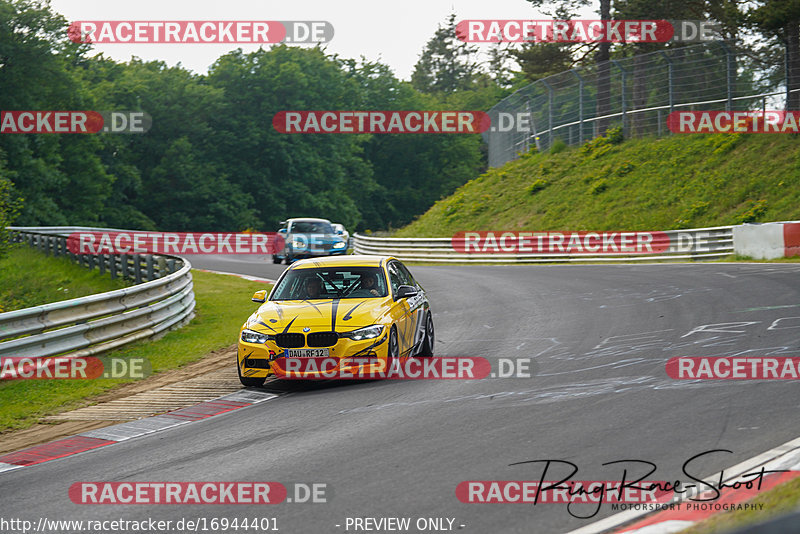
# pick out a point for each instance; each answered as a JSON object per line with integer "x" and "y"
{"x": 259, "y": 359}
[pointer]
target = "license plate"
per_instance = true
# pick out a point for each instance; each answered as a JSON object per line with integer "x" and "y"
{"x": 307, "y": 353}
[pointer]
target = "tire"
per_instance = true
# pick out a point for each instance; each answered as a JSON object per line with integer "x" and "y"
{"x": 249, "y": 381}
{"x": 427, "y": 343}
{"x": 287, "y": 260}
{"x": 393, "y": 351}
{"x": 275, "y": 259}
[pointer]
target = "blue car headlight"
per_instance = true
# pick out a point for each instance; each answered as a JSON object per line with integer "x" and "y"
{"x": 340, "y": 245}
{"x": 368, "y": 332}
{"x": 251, "y": 336}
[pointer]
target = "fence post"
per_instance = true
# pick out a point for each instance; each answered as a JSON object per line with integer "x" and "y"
{"x": 729, "y": 75}
{"x": 580, "y": 104}
{"x": 670, "y": 81}
{"x": 549, "y": 113}
{"x": 624, "y": 99}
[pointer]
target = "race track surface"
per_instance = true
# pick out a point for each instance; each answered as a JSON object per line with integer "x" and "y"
{"x": 598, "y": 338}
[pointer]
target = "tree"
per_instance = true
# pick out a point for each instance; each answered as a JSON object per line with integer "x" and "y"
{"x": 781, "y": 18}
{"x": 447, "y": 64}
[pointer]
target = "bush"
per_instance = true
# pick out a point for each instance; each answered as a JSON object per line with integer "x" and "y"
{"x": 538, "y": 185}
{"x": 598, "y": 187}
{"x": 558, "y": 146}
{"x": 753, "y": 213}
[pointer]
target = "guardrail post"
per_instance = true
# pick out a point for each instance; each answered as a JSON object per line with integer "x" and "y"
{"x": 112, "y": 265}
{"x": 148, "y": 260}
{"x": 170, "y": 266}
{"x": 137, "y": 268}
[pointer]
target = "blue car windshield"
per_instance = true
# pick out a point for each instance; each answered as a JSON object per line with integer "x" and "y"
{"x": 331, "y": 283}
{"x": 311, "y": 227}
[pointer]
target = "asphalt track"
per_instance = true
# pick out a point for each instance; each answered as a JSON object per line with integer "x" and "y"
{"x": 598, "y": 336}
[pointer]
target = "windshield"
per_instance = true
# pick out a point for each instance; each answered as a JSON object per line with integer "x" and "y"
{"x": 333, "y": 283}
{"x": 311, "y": 227}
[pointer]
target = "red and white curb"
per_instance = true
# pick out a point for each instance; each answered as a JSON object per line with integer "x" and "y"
{"x": 686, "y": 513}
{"x": 244, "y": 276}
{"x": 109, "y": 435}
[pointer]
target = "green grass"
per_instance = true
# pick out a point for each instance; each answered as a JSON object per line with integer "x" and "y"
{"x": 780, "y": 500}
{"x": 223, "y": 304}
{"x": 641, "y": 184}
{"x": 30, "y": 278}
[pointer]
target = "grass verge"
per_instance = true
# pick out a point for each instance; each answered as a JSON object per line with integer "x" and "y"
{"x": 780, "y": 500}
{"x": 30, "y": 278}
{"x": 223, "y": 304}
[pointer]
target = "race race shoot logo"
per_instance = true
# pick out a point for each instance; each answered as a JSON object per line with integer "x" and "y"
{"x": 370, "y": 368}
{"x": 562, "y": 243}
{"x": 586, "y": 31}
{"x": 734, "y": 368}
{"x": 74, "y": 122}
{"x": 381, "y": 122}
{"x": 69, "y": 368}
{"x": 178, "y": 243}
{"x": 200, "y": 31}
{"x": 734, "y": 122}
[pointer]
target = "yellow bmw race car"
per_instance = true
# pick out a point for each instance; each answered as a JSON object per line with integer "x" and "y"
{"x": 359, "y": 312}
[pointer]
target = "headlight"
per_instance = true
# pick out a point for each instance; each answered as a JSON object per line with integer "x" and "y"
{"x": 250, "y": 336}
{"x": 368, "y": 332}
{"x": 297, "y": 244}
{"x": 339, "y": 245}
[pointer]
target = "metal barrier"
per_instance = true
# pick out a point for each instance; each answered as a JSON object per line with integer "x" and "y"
{"x": 697, "y": 243}
{"x": 96, "y": 323}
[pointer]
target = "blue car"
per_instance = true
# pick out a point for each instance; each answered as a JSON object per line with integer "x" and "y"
{"x": 309, "y": 238}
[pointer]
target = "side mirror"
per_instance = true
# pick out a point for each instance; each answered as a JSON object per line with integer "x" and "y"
{"x": 259, "y": 296}
{"x": 282, "y": 231}
{"x": 339, "y": 232}
{"x": 403, "y": 292}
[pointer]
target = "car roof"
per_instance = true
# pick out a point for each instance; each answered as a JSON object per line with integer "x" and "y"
{"x": 307, "y": 219}
{"x": 350, "y": 260}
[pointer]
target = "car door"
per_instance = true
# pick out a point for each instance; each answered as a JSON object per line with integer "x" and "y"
{"x": 416, "y": 306}
{"x": 400, "y": 308}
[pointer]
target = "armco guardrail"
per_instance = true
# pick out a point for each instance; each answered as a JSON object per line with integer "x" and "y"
{"x": 97, "y": 323}
{"x": 697, "y": 243}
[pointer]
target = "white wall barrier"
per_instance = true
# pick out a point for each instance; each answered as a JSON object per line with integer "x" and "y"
{"x": 767, "y": 241}
{"x": 538, "y": 247}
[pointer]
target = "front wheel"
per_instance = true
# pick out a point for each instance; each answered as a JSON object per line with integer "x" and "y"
{"x": 427, "y": 344}
{"x": 250, "y": 381}
{"x": 394, "y": 349}
{"x": 275, "y": 259}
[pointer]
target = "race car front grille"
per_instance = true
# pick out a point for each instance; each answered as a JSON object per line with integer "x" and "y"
{"x": 322, "y": 339}
{"x": 290, "y": 341}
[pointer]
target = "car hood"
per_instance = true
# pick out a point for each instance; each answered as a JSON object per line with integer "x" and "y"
{"x": 341, "y": 315}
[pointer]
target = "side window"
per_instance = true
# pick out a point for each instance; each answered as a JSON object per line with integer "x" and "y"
{"x": 408, "y": 279}
{"x": 394, "y": 277}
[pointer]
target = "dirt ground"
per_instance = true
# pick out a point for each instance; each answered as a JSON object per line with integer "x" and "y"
{"x": 42, "y": 433}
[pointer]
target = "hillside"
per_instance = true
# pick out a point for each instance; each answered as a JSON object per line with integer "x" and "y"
{"x": 640, "y": 184}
